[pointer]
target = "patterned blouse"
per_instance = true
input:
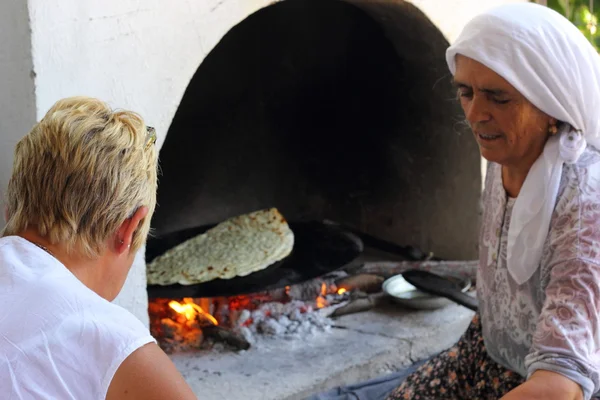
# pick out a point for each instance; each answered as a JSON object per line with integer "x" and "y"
{"x": 552, "y": 321}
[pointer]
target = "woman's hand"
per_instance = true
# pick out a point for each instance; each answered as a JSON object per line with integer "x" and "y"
{"x": 546, "y": 385}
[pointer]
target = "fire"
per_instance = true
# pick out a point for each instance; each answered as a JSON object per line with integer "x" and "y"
{"x": 321, "y": 301}
{"x": 341, "y": 291}
{"x": 191, "y": 310}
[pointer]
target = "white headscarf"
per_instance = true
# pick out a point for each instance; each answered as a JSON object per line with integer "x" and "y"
{"x": 550, "y": 62}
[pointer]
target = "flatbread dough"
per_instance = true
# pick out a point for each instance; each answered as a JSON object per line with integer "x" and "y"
{"x": 236, "y": 247}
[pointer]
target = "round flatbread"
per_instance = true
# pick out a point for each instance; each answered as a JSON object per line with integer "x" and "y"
{"x": 236, "y": 247}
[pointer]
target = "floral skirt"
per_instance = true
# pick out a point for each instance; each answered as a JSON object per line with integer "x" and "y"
{"x": 465, "y": 371}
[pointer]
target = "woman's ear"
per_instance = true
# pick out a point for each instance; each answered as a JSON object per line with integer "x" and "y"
{"x": 125, "y": 232}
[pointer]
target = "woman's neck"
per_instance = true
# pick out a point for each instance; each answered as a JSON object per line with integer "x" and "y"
{"x": 513, "y": 179}
{"x": 516, "y": 170}
{"x": 86, "y": 269}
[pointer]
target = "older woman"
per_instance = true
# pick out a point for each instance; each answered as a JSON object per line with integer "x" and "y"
{"x": 79, "y": 202}
{"x": 529, "y": 84}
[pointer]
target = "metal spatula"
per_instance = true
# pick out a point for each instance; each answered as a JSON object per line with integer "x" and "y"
{"x": 438, "y": 285}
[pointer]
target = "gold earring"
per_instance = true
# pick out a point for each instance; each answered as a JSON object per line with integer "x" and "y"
{"x": 552, "y": 129}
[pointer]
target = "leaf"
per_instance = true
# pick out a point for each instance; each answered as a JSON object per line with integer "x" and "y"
{"x": 579, "y": 13}
{"x": 557, "y": 5}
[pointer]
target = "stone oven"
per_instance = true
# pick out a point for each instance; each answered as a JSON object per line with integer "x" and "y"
{"x": 329, "y": 110}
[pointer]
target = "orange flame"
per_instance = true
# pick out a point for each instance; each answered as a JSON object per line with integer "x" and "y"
{"x": 191, "y": 310}
{"x": 321, "y": 302}
{"x": 341, "y": 291}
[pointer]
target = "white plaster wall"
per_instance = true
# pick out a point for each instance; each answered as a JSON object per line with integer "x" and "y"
{"x": 17, "y": 100}
{"x": 135, "y": 54}
{"x": 138, "y": 55}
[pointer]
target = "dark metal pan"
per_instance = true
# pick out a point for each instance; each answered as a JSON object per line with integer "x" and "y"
{"x": 435, "y": 284}
{"x": 318, "y": 249}
{"x": 409, "y": 253}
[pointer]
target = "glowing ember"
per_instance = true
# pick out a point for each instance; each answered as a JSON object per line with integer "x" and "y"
{"x": 321, "y": 302}
{"x": 187, "y": 324}
{"x": 341, "y": 291}
{"x": 191, "y": 310}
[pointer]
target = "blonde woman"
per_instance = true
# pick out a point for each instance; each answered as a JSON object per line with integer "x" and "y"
{"x": 79, "y": 202}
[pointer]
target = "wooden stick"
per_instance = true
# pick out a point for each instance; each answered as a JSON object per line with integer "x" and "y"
{"x": 368, "y": 283}
{"x": 227, "y": 336}
{"x": 386, "y": 269}
{"x": 354, "y": 306}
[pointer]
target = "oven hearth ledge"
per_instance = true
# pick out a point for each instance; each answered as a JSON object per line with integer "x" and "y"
{"x": 359, "y": 347}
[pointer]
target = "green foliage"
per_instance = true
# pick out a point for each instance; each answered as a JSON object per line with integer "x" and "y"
{"x": 580, "y": 14}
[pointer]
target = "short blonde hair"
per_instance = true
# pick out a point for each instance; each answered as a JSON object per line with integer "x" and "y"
{"x": 80, "y": 172}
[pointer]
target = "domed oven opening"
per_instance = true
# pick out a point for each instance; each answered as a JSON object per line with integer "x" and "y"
{"x": 328, "y": 110}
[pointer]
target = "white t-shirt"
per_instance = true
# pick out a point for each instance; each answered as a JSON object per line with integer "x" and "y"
{"x": 58, "y": 339}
